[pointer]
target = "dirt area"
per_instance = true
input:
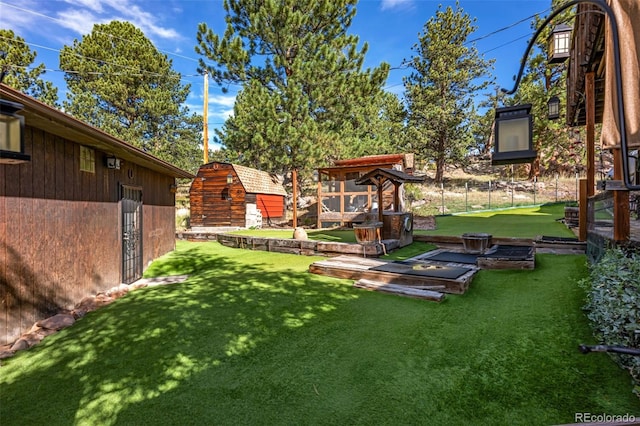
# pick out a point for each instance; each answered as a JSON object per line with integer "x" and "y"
{"x": 424, "y": 222}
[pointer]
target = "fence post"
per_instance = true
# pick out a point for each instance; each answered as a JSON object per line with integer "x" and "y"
{"x": 512, "y": 190}
{"x": 576, "y": 186}
{"x": 442, "y": 191}
{"x": 489, "y": 194}
{"x": 466, "y": 196}
{"x": 535, "y": 184}
{"x": 556, "y": 187}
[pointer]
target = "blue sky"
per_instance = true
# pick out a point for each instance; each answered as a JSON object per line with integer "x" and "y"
{"x": 390, "y": 27}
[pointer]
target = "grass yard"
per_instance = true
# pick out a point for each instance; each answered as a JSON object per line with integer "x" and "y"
{"x": 251, "y": 338}
{"x": 524, "y": 222}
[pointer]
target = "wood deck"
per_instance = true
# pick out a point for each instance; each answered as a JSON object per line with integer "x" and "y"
{"x": 406, "y": 274}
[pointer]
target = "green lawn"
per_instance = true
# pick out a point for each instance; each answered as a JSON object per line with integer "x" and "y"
{"x": 527, "y": 222}
{"x": 251, "y": 338}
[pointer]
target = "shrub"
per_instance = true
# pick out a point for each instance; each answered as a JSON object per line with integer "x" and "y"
{"x": 613, "y": 304}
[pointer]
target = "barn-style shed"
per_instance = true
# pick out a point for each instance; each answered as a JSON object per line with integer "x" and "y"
{"x": 230, "y": 195}
{"x": 84, "y": 213}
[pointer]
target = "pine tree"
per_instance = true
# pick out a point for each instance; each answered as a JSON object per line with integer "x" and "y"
{"x": 119, "y": 82}
{"x": 304, "y": 94}
{"x": 440, "y": 90}
{"x": 18, "y": 73}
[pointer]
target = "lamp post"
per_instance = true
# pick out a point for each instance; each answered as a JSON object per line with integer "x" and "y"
{"x": 617, "y": 70}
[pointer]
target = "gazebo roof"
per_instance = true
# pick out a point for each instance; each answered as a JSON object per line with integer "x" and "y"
{"x": 396, "y": 176}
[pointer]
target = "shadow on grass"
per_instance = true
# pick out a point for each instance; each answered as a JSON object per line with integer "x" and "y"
{"x": 251, "y": 338}
{"x": 165, "y": 335}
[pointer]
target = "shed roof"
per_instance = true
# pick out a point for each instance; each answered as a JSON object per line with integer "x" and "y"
{"x": 259, "y": 182}
{"x": 42, "y": 116}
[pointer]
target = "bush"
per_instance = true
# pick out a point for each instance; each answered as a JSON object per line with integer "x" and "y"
{"x": 613, "y": 304}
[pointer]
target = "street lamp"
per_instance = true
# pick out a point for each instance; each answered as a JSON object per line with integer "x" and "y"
{"x": 11, "y": 134}
{"x": 617, "y": 70}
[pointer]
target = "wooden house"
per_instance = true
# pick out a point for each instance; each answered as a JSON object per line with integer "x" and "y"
{"x": 230, "y": 195}
{"x": 86, "y": 212}
{"x": 592, "y": 98}
{"x": 343, "y": 202}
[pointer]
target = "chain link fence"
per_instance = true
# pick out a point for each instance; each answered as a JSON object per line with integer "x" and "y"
{"x": 459, "y": 197}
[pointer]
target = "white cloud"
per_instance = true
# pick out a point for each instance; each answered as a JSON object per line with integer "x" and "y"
{"x": 396, "y": 4}
{"x": 227, "y": 101}
{"x": 79, "y": 21}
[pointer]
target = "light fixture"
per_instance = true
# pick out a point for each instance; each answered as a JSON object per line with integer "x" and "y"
{"x": 513, "y": 136}
{"x": 554, "y": 108}
{"x": 113, "y": 163}
{"x": 613, "y": 26}
{"x": 11, "y": 134}
{"x": 229, "y": 179}
{"x": 559, "y": 44}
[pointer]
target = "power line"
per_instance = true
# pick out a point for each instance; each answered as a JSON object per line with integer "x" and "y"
{"x": 499, "y": 30}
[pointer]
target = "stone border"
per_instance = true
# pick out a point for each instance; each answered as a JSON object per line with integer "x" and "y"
{"x": 67, "y": 318}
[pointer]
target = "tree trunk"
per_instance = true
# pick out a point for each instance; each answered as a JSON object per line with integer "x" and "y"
{"x": 439, "y": 170}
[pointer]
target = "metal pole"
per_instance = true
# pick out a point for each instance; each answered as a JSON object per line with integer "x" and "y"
{"x": 489, "y": 194}
{"x": 205, "y": 118}
{"x": 556, "y": 187}
{"x": 466, "y": 196}
{"x": 442, "y": 191}
{"x": 535, "y": 182}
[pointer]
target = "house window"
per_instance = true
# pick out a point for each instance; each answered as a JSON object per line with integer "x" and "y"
{"x": 87, "y": 159}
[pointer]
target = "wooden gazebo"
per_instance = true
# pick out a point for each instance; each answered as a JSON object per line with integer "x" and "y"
{"x": 380, "y": 177}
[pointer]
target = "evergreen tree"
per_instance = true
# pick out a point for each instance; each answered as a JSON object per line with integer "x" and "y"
{"x": 304, "y": 95}
{"x": 119, "y": 82}
{"x": 445, "y": 77}
{"x": 16, "y": 63}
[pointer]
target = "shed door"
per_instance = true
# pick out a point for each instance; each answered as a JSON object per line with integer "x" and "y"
{"x": 131, "y": 204}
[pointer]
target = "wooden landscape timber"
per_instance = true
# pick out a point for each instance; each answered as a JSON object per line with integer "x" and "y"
{"x": 400, "y": 290}
{"x": 291, "y": 246}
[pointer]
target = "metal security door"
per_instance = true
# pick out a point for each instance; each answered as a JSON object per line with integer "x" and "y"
{"x": 131, "y": 202}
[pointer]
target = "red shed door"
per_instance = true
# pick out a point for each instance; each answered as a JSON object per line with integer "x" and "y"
{"x": 271, "y": 206}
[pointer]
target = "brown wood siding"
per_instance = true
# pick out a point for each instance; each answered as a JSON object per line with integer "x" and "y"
{"x": 271, "y": 206}
{"x": 54, "y": 173}
{"x": 209, "y": 197}
{"x": 55, "y": 253}
{"x": 211, "y": 208}
{"x": 155, "y": 242}
{"x": 60, "y": 237}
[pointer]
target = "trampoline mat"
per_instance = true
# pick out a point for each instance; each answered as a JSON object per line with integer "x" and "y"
{"x": 451, "y": 256}
{"x": 422, "y": 270}
{"x": 510, "y": 253}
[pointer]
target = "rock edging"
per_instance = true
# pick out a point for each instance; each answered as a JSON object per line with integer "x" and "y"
{"x": 67, "y": 318}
